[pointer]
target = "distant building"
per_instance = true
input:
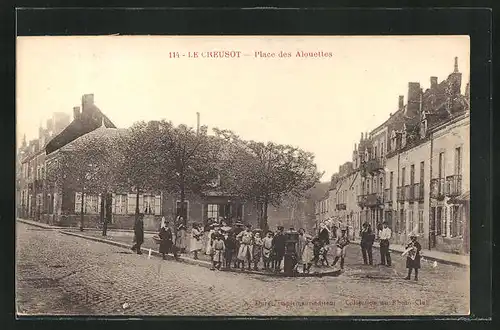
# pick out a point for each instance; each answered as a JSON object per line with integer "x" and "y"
{"x": 414, "y": 169}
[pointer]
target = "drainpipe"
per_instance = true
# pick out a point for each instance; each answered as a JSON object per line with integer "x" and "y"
{"x": 430, "y": 180}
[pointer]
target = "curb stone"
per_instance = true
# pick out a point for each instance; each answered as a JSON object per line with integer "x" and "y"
{"x": 427, "y": 257}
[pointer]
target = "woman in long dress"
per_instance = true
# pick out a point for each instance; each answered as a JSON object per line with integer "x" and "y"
{"x": 196, "y": 243}
{"x": 413, "y": 256}
{"x": 301, "y": 244}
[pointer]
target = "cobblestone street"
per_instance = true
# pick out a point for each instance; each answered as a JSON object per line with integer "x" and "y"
{"x": 65, "y": 275}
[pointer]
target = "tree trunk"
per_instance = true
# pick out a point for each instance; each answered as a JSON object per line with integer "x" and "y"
{"x": 265, "y": 226}
{"x": 183, "y": 212}
{"x": 137, "y": 205}
{"x": 82, "y": 209}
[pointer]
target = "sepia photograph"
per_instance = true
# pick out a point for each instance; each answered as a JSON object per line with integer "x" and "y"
{"x": 243, "y": 176}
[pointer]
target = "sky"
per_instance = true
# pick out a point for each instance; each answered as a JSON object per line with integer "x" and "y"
{"x": 320, "y": 104}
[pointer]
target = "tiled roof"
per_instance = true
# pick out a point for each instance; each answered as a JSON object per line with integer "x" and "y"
{"x": 85, "y": 123}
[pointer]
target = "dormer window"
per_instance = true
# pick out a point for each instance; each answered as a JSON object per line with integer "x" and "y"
{"x": 367, "y": 155}
{"x": 403, "y": 139}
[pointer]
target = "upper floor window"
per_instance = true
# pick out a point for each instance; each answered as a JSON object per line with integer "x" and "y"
{"x": 458, "y": 161}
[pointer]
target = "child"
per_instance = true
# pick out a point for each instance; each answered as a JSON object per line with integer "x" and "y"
{"x": 307, "y": 254}
{"x": 257, "y": 250}
{"x": 342, "y": 243}
{"x": 218, "y": 252}
{"x": 230, "y": 245}
{"x": 267, "y": 246}
{"x": 323, "y": 251}
{"x": 413, "y": 256}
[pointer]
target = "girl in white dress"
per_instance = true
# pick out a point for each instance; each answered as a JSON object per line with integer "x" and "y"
{"x": 196, "y": 243}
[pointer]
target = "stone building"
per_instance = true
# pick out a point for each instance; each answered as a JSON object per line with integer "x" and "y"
{"x": 414, "y": 168}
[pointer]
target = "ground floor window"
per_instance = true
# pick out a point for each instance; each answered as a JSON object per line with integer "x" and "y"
{"x": 456, "y": 221}
{"x": 439, "y": 225}
{"x": 120, "y": 204}
{"x": 212, "y": 211}
{"x": 411, "y": 223}
{"x": 420, "y": 221}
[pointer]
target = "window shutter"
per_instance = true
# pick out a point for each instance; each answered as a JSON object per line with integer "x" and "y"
{"x": 78, "y": 202}
{"x": 131, "y": 203}
{"x": 113, "y": 204}
{"x": 158, "y": 205}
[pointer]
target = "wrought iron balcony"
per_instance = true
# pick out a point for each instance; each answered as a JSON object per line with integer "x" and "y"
{"x": 374, "y": 199}
{"x": 437, "y": 188}
{"x": 340, "y": 206}
{"x": 372, "y": 166}
{"x": 418, "y": 192}
{"x": 411, "y": 193}
{"x": 388, "y": 195}
{"x": 362, "y": 200}
{"x": 401, "y": 196}
{"x": 453, "y": 185}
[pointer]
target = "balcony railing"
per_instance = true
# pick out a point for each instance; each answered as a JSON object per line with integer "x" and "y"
{"x": 453, "y": 185}
{"x": 374, "y": 199}
{"x": 388, "y": 195}
{"x": 361, "y": 200}
{"x": 437, "y": 188}
{"x": 401, "y": 197}
{"x": 372, "y": 166}
{"x": 418, "y": 192}
{"x": 340, "y": 206}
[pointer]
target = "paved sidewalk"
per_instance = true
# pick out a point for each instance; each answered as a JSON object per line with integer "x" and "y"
{"x": 76, "y": 229}
{"x": 442, "y": 257}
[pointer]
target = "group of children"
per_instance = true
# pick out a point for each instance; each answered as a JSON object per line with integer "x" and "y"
{"x": 240, "y": 248}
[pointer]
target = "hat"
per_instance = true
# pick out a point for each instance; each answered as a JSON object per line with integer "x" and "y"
{"x": 413, "y": 234}
{"x": 238, "y": 224}
{"x": 281, "y": 227}
{"x": 249, "y": 225}
{"x": 308, "y": 236}
{"x": 226, "y": 228}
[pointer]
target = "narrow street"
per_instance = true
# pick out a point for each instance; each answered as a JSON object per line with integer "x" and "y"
{"x": 66, "y": 275}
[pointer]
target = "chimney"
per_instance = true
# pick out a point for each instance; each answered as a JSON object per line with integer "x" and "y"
{"x": 361, "y": 136}
{"x": 401, "y": 103}
{"x": 76, "y": 112}
{"x": 455, "y": 70}
{"x": 434, "y": 82}
{"x": 87, "y": 100}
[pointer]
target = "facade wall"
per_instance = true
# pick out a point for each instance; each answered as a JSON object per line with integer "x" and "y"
{"x": 412, "y": 214}
{"x": 448, "y": 219}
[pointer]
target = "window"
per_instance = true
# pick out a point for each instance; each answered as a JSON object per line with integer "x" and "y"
{"x": 132, "y": 201}
{"x": 391, "y": 183}
{"x": 213, "y": 211}
{"x": 367, "y": 187}
{"x": 381, "y": 185}
{"x": 78, "y": 202}
{"x": 382, "y": 150}
{"x": 420, "y": 221}
{"x": 458, "y": 161}
{"x": 412, "y": 174}
{"x": 422, "y": 172}
{"x": 120, "y": 204}
{"x": 454, "y": 221}
{"x": 410, "y": 221}
{"x": 403, "y": 174}
{"x": 92, "y": 204}
{"x": 445, "y": 222}
{"x": 149, "y": 204}
{"x": 441, "y": 165}
{"x": 376, "y": 153}
{"x": 439, "y": 225}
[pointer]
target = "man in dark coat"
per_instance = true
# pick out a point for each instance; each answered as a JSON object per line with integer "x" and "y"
{"x": 138, "y": 234}
{"x": 279, "y": 241}
{"x": 367, "y": 239}
{"x": 166, "y": 237}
